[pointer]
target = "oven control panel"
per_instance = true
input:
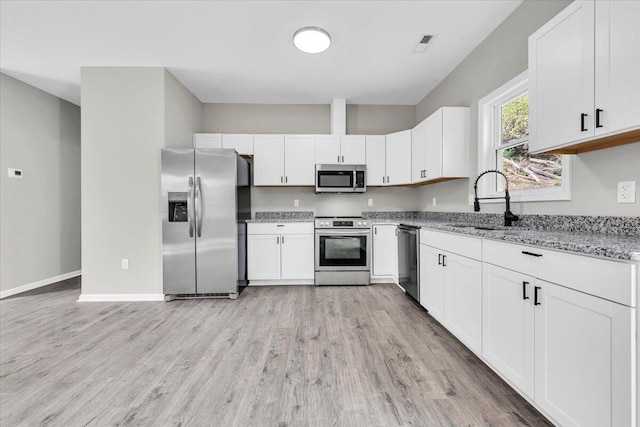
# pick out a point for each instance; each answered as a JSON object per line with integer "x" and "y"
{"x": 334, "y": 222}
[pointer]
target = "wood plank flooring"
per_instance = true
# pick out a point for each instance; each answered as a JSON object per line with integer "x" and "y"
{"x": 277, "y": 356}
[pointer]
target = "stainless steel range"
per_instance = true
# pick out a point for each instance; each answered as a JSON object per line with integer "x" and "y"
{"x": 343, "y": 251}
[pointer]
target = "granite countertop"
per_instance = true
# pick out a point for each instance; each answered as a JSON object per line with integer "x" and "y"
{"x": 278, "y": 220}
{"x": 613, "y": 246}
{"x": 292, "y": 216}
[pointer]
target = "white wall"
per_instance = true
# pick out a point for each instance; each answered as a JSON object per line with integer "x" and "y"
{"x": 499, "y": 58}
{"x": 39, "y": 214}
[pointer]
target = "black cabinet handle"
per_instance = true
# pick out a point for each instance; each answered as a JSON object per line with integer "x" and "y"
{"x": 583, "y": 127}
{"x": 598, "y": 124}
{"x": 535, "y": 295}
{"x": 444, "y": 259}
{"x": 439, "y": 259}
{"x": 524, "y": 290}
{"x": 532, "y": 254}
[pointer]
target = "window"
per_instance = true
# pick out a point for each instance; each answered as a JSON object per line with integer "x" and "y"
{"x": 504, "y": 145}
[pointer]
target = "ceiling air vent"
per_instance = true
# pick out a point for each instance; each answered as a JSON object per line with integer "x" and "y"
{"x": 423, "y": 43}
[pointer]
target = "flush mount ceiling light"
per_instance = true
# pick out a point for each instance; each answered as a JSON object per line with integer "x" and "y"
{"x": 312, "y": 39}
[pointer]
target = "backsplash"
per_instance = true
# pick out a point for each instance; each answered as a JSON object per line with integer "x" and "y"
{"x": 623, "y": 226}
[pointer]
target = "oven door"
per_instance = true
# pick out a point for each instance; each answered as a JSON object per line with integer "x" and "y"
{"x": 341, "y": 250}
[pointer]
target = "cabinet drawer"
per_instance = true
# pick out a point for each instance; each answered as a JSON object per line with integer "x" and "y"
{"x": 470, "y": 247}
{"x": 280, "y": 228}
{"x": 611, "y": 280}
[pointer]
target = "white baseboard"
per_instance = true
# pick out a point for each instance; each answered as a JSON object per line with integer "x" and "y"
{"x": 384, "y": 279}
{"x": 281, "y": 282}
{"x": 120, "y": 297}
{"x": 39, "y": 284}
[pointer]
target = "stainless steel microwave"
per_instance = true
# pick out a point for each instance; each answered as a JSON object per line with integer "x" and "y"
{"x": 341, "y": 178}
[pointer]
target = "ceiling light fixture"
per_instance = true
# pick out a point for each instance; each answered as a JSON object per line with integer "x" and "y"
{"x": 312, "y": 39}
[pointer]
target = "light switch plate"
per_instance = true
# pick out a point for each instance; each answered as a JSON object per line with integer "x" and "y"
{"x": 369, "y": 202}
{"x": 296, "y": 202}
{"x": 433, "y": 201}
{"x": 125, "y": 264}
{"x": 627, "y": 192}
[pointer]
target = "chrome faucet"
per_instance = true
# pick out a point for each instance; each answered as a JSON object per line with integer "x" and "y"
{"x": 509, "y": 217}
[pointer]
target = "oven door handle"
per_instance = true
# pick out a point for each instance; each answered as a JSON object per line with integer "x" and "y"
{"x": 338, "y": 233}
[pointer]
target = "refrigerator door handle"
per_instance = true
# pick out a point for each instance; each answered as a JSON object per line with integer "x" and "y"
{"x": 190, "y": 206}
{"x": 198, "y": 208}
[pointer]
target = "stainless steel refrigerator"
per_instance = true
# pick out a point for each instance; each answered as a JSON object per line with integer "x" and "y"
{"x": 205, "y": 202}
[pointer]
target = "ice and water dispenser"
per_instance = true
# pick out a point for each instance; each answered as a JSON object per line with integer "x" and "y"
{"x": 178, "y": 207}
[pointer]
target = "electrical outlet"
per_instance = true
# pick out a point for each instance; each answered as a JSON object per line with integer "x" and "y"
{"x": 125, "y": 264}
{"x": 471, "y": 199}
{"x": 627, "y": 192}
{"x": 369, "y": 202}
{"x": 296, "y": 202}
{"x": 433, "y": 201}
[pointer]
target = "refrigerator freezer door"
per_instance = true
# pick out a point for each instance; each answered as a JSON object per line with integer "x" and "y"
{"x": 216, "y": 224}
{"x": 178, "y": 222}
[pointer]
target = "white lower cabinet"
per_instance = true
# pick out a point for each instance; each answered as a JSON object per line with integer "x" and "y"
{"x": 263, "y": 260}
{"x": 507, "y": 325}
{"x": 297, "y": 256}
{"x": 584, "y": 358}
{"x": 385, "y": 253}
{"x": 451, "y": 290}
{"x": 567, "y": 346}
{"x": 432, "y": 282}
{"x": 280, "y": 253}
{"x": 463, "y": 299}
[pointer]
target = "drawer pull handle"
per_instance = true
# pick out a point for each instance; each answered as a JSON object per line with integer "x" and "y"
{"x": 280, "y": 225}
{"x": 444, "y": 259}
{"x": 532, "y": 254}
{"x": 524, "y": 290}
{"x": 583, "y": 127}
{"x": 439, "y": 259}
{"x": 535, "y": 295}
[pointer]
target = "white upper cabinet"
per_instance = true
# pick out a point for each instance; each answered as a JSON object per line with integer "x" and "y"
{"x": 376, "y": 160}
{"x": 284, "y": 160}
{"x": 340, "y": 149}
{"x": 207, "y": 140}
{"x": 268, "y": 159}
{"x": 353, "y": 149}
{"x": 328, "y": 149}
{"x": 241, "y": 142}
{"x": 299, "y": 160}
{"x": 584, "y": 74}
{"x": 617, "y": 65}
{"x": 398, "y": 153}
{"x": 440, "y": 145}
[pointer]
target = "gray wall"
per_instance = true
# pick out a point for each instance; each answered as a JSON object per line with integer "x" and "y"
{"x": 183, "y": 113}
{"x": 274, "y": 118}
{"x": 39, "y": 214}
{"x": 499, "y": 58}
{"x": 267, "y": 118}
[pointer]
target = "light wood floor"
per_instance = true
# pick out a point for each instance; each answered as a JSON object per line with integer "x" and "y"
{"x": 278, "y": 356}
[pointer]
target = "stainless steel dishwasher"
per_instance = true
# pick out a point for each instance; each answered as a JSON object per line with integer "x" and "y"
{"x": 408, "y": 254}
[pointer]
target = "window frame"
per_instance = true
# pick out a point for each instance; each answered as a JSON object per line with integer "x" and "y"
{"x": 489, "y": 135}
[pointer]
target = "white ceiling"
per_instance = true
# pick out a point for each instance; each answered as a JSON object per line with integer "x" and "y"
{"x": 242, "y": 51}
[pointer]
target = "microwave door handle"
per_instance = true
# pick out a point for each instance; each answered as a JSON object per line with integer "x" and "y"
{"x": 354, "y": 180}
